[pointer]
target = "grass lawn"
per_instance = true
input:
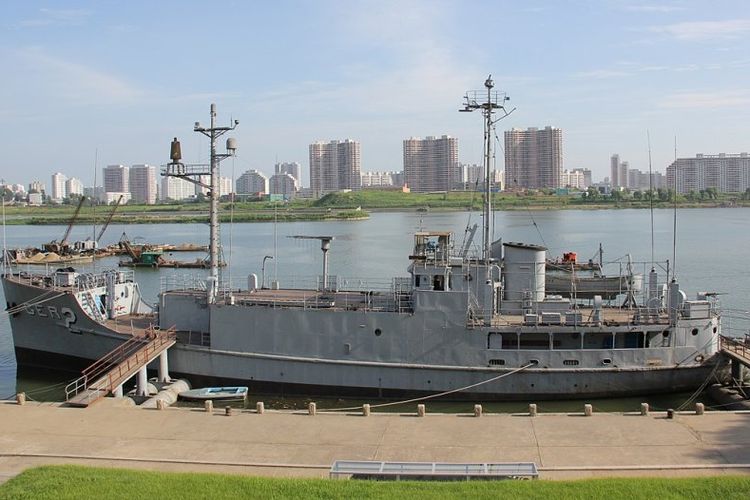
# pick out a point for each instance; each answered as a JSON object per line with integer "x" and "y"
{"x": 61, "y": 482}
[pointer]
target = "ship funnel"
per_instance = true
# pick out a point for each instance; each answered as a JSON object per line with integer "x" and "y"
{"x": 524, "y": 273}
{"x": 175, "y": 152}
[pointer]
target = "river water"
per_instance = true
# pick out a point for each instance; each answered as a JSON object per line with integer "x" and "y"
{"x": 712, "y": 253}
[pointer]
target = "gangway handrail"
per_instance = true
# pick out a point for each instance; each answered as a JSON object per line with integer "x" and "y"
{"x": 130, "y": 350}
{"x": 734, "y": 345}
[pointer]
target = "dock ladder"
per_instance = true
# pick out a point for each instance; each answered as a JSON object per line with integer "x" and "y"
{"x": 117, "y": 366}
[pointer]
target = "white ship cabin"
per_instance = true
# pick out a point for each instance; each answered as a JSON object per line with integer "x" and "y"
{"x": 431, "y": 261}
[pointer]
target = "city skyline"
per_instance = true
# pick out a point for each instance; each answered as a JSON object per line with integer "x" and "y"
{"x": 95, "y": 79}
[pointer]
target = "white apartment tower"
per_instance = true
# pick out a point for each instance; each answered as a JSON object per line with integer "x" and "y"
{"x": 283, "y": 184}
{"x": 334, "y": 166}
{"x": 252, "y": 182}
{"x": 116, "y": 179}
{"x": 142, "y": 182}
{"x": 727, "y": 173}
{"x": 378, "y": 179}
{"x": 431, "y": 164}
{"x": 58, "y": 187}
{"x": 292, "y": 168}
{"x": 74, "y": 186}
{"x": 36, "y": 187}
{"x": 225, "y": 186}
{"x": 533, "y": 158}
{"x": 176, "y": 189}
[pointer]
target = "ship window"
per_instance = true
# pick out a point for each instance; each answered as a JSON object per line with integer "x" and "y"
{"x": 494, "y": 340}
{"x": 571, "y": 362}
{"x": 694, "y": 331}
{"x": 665, "y": 333}
{"x": 497, "y": 362}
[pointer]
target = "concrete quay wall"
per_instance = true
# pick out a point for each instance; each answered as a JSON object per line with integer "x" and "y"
{"x": 279, "y": 443}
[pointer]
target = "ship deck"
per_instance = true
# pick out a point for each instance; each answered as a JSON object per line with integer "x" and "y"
{"x": 381, "y": 301}
{"x": 136, "y": 325}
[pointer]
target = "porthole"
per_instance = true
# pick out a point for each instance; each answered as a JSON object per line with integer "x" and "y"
{"x": 378, "y": 332}
{"x": 694, "y": 332}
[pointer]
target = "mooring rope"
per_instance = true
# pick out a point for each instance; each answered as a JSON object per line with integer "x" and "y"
{"x": 432, "y": 396}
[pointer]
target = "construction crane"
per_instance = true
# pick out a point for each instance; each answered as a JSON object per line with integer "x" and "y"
{"x": 109, "y": 219}
{"x": 133, "y": 253}
{"x": 62, "y": 247}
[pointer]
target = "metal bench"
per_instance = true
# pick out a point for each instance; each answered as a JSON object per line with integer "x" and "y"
{"x": 415, "y": 471}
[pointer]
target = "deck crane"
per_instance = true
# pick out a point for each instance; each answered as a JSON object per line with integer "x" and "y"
{"x": 62, "y": 247}
{"x": 109, "y": 219}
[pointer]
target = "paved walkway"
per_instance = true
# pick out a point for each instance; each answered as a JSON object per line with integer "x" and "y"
{"x": 288, "y": 444}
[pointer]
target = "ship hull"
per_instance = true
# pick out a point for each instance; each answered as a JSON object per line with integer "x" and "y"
{"x": 46, "y": 338}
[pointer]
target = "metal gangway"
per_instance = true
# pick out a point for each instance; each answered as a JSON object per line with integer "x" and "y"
{"x": 738, "y": 351}
{"x": 736, "y": 348}
{"x": 117, "y": 366}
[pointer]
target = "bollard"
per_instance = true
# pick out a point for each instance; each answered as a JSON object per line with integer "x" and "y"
{"x": 670, "y": 414}
{"x": 644, "y": 409}
{"x": 312, "y": 409}
{"x": 588, "y": 410}
{"x": 21, "y": 398}
{"x": 421, "y": 410}
{"x": 260, "y": 408}
{"x": 532, "y": 410}
{"x": 209, "y": 406}
{"x": 366, "y": 410}
{"x": 160, "y": 404}
{"x": 700, "y": 408}
{"x": 228, "y": 411}
{"x": 477, "y": 410}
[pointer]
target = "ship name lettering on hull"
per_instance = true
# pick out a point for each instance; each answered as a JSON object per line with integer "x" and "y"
{"x": 64, "y": 314}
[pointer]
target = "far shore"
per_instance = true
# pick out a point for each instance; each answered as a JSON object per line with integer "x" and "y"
{"x": 356, "y": 205}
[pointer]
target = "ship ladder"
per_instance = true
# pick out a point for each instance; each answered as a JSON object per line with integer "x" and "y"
{"x": 118, "y": 366}
{"x": 89, "y": 305}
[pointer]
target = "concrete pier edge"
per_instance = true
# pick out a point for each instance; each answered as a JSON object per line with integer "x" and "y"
{"x": 282, "y": 443}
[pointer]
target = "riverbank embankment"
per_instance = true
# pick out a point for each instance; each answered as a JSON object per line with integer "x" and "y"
{"x": 297, "y": 444}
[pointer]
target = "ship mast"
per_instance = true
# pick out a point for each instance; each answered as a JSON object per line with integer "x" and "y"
{"x": 494, "y": 100}
{"x": 196, "y": 174}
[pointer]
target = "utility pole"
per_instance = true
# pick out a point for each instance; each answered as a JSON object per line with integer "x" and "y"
{"x": 195, "y": 173}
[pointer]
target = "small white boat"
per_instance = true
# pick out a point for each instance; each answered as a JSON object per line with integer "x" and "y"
{"x": 206, "y": 393}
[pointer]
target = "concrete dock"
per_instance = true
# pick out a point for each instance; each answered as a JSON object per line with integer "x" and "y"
{"x": 111, "y": 434}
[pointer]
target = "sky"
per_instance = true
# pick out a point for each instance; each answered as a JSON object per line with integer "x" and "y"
{"x": 88, "y": 84}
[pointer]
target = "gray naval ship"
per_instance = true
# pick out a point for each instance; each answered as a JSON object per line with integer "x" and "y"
{"x": 468, "y": 325}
